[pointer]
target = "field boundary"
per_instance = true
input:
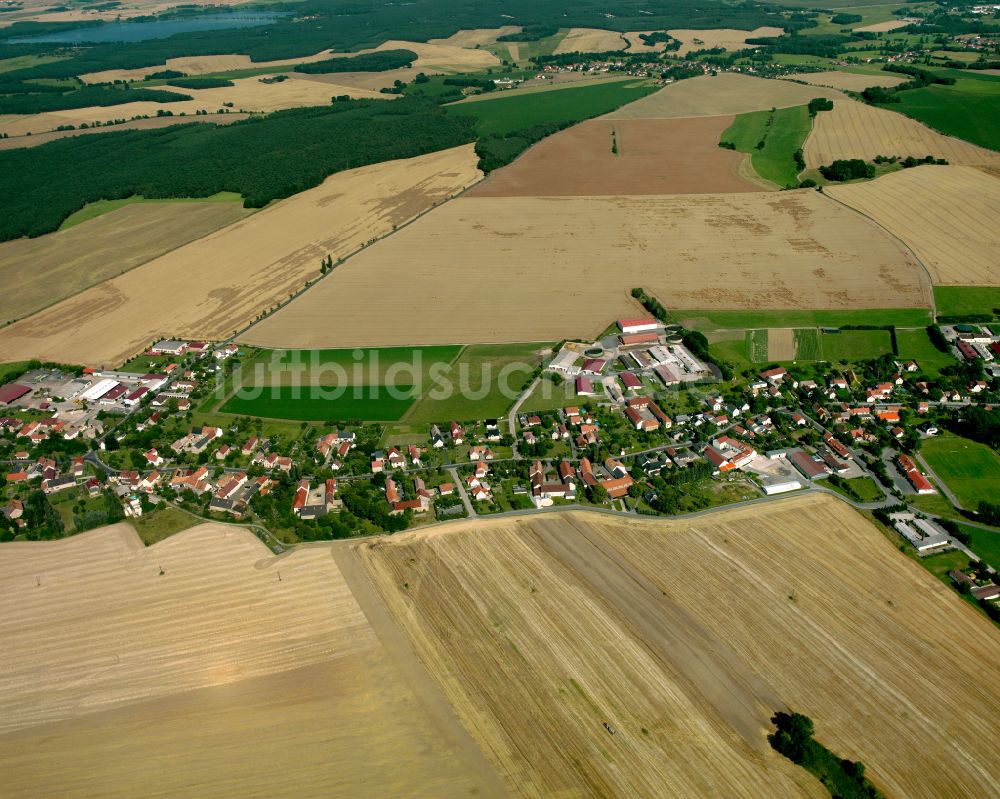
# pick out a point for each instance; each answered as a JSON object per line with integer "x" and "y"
{"x": 929, "y": 288}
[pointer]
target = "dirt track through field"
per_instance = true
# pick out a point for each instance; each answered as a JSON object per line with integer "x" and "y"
{"x": 624, "y": 157}
{"x": 39, "y": 272}
{"x": 213, "y": 286}
{"x": 857, "y": 130}
{"x": 686, "y": 636}
{"x": 721, "y": 95}
{"x": 946, "y": 214}
{"x": 545, "y": 269}
{"x": 231, "y": 673}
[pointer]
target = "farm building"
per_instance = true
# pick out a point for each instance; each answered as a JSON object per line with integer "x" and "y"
{"x": 643, "y": 325}
{"x": 809, "y": 467}
{"x": 920, "y": 483}
{"x": 168, "y": 347}
{"x": 12, "y": 392}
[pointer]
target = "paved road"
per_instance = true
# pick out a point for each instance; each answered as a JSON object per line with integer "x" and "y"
{"x": 940, "y": 483}
{"x": 460, "y": 487}
{"x": 512, "y": 414}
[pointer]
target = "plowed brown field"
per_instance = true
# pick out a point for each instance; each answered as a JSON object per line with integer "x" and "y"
{"x": 685, "y": 636}
{"x": 857, "y": 130}
{"x": 213, "y": 286}
{"x": 946, "y": 214}
{"x": 206, "y": 667}
{"x": 486, "y": 269}
{"x": 654, "y": 156}
{"x": 726, "y": 93}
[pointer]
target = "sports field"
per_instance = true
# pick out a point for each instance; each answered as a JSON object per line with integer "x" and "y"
{"x": 221, "y": 282}
{"x": 684, "y": 637}
{"x": 554, "y": 268}
{"x": 417, "y": 385}
{"x": 854, "y": 345}
{"x": 970, "y": 469}
{"x": 624, "y": 157}
{"x": 946, "y": 214}
{"x": 318, "y": 403}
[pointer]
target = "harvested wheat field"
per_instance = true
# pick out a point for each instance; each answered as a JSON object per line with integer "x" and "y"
{"x": 686, "y": 636}
{"x": 590, "y": 40}
{"x": 850, "y": 81}
{"x": 477, "y": 36}
{"x": 725, "y": 94}
{"x": 42, "y": 271}
{"x": 246, "y": 94}
{"x": 206, "y": 667}
{"x": 200, "y": 65}
{"x": 888, "y": 25}
{"x": 543, "y": 269}
{"x": 213, "y": 286}
{"x": 781, "y": 344}
{"x": 857, "y": 130}
{"x": 13, "y": 143}
{"x": 625, "y": 156}
{"x": 946, "y": 214}
{"x": 727, "y": 38}
{"x": 637, "y": 45}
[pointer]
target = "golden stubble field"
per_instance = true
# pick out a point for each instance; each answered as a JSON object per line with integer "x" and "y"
{"x": 686, "y": 636}
{"x": 857, "y": 130}
{"x": 15, "y": 142}
{"x": 590, "y": 40}
{"x": 727, "y": 38}
{"x": 456, "y": 54}
{"x": 838, "y": 79}
{"x": 489, "y": 269}
{"x": 946, "y": 214}
{"x": 42, "y": 271}
{"x": 721, "y": 95}
{"x": 213, "y": 286}
{"x": 246, "y": 94}
{"x": 206, "y": 667}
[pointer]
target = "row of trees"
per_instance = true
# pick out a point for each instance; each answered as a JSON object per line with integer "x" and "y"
{"x": 40, "y": 102}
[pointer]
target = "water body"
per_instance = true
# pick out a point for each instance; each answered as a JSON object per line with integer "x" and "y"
{"x": 155, "y": 29}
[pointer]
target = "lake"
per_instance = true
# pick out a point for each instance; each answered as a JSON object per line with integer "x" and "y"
{"x": 155, "y": 29}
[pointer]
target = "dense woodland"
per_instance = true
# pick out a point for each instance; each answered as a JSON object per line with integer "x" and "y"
{"x": 382, "y": 61}
{"x": 47, "y": 100}
{"x": 353, "y": 26}
{"x": 263, "y": 158}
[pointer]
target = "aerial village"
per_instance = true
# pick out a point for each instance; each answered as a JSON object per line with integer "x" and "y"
{"x": 649, "y": 427}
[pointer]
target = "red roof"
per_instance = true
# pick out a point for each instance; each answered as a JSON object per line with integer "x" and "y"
{"x": 640, "y": 338}
{"x": 630, "y": 380}
{"x": 13, "y": 391}
{"x": 636, "y": 322}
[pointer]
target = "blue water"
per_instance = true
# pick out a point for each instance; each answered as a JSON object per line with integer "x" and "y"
{"x": 155, "y": 29}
